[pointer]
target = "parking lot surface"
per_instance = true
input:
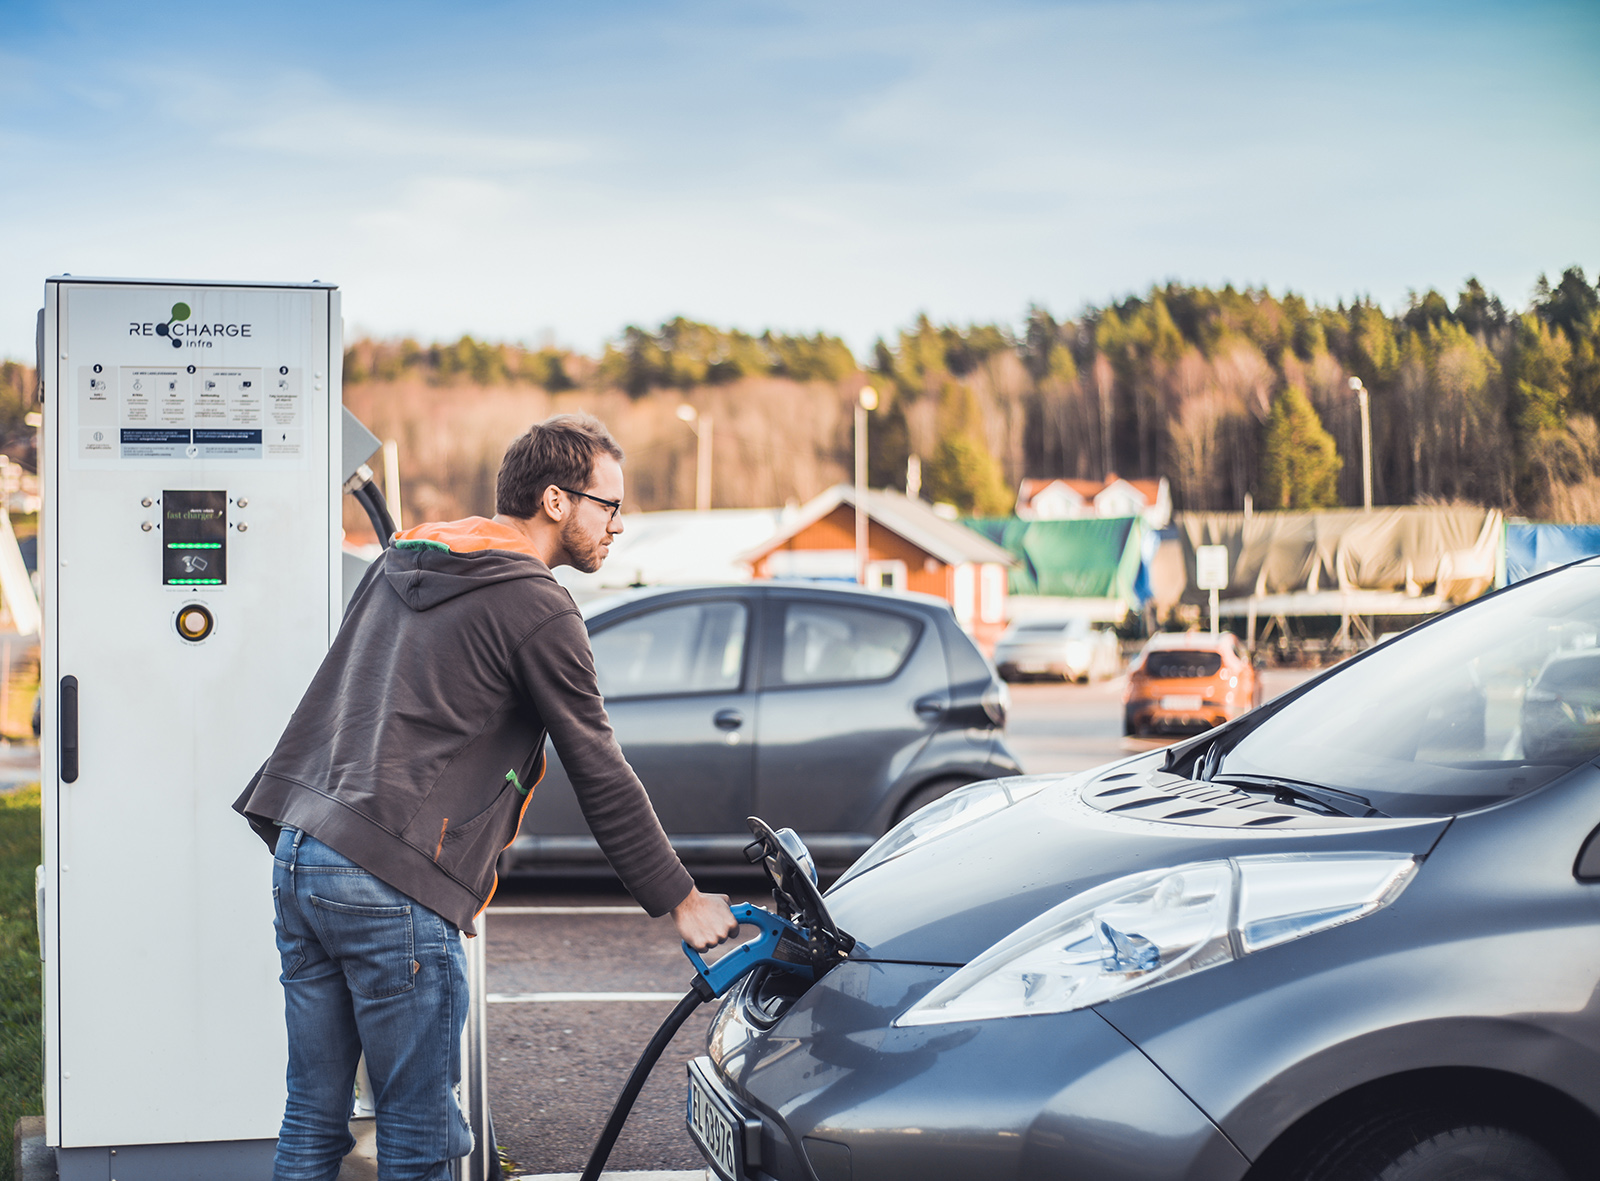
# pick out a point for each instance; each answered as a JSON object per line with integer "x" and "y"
{"x": 558, "y": 1061}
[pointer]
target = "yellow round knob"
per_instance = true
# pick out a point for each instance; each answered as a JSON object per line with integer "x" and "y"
{"x": 194, "y": 622}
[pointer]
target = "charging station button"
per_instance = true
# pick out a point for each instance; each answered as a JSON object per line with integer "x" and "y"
{"x": 195, "y": 622}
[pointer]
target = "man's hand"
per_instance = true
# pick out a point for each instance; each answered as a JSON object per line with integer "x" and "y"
{"x": 704, "y": 920}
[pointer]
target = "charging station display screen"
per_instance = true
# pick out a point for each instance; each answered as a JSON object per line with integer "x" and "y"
{"x": 194, "y": 538}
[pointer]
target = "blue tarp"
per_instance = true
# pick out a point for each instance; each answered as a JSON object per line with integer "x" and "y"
{"x": 1533, "y": 549}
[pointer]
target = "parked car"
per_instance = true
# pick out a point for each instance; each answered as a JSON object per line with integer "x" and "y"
{"x": 1187, "y": 681}
{"x": 829, "y": 710}
{"x": 1072, "y": 648}
{"x": 1343, "y": 936}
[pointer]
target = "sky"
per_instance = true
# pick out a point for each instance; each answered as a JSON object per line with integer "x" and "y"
{"x": 549, "y": 173}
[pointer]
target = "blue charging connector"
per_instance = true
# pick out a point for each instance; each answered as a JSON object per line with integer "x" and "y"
{"x": 763, "y": 949}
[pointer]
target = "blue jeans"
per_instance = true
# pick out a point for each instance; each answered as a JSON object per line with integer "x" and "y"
{"x": 366, "y": 968}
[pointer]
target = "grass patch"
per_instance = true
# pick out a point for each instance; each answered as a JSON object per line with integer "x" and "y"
{"x": 16, "y": 703}
{"x": 21, "y": 1048}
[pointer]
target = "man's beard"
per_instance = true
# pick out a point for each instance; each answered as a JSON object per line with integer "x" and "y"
{"x": 585, "y": 553}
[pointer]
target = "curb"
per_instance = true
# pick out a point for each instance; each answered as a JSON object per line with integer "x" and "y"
{"x": 32, "y": 1160}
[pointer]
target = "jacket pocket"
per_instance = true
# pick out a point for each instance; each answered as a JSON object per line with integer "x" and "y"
{"x": 468, "y": 851}
{"x": 374, "y": 945}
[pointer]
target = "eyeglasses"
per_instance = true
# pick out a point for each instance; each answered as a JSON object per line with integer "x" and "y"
{"x": 613, "y": 505}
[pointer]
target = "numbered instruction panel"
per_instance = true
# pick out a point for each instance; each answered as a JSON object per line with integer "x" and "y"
{"x": 207, "y": 374}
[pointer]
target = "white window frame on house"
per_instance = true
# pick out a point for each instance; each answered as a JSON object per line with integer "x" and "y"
{"x": 992, "y": 592}
{"x": 893, "y": 568}
{"x": 964, "y": 593}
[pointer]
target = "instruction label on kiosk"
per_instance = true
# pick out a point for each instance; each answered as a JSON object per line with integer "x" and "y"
{"x": 210, "y": 375}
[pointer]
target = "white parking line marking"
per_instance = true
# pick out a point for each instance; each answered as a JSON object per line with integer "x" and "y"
{"x": 647, "y": 1175}
{"x": 549, "y": 998}
{"x": 566, "y": 910}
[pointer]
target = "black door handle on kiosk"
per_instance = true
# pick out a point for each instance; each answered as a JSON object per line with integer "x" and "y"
{"x": 69, "y": 729}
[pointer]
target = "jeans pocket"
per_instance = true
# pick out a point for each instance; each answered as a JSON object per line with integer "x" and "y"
{"x": 374, "y": 945}
{"x": 291, "y": 954}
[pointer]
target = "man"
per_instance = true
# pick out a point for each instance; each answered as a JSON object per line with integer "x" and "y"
{"x": 405, "y": 772}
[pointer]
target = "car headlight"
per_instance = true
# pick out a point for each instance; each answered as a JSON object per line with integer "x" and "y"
{"x": 947, "y": 814}
{"x": 1149, "y": 928}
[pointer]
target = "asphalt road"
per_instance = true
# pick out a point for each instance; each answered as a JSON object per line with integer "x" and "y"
{"x": 556, "y": 1066}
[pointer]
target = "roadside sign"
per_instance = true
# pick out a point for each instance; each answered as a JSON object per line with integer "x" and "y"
{"x": 1211, "y": 567}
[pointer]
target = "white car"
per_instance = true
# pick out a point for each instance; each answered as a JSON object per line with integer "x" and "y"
{"x": 1072, "y": 648}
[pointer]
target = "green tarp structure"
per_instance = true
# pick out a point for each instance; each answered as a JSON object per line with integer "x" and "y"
{"x": 1081, "y": 558}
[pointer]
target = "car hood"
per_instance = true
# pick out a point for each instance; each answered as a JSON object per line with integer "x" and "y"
{"x": 949, "y": 900}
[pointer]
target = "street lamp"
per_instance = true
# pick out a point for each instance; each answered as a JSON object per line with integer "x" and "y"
{"x": 1366, "y": 444}
{"x": 865, "y": 401}
{"x": 700, "y": 424}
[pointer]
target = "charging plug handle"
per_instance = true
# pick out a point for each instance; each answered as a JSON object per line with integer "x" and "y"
{"x": 766, "y": 948}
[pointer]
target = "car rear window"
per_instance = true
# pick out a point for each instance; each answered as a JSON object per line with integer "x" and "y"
{"x": 1180, "y": 665}
{"x": 825, "y": 643}
{"x": 692, "y": 648}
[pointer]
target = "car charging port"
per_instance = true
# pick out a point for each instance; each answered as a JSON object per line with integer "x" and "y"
{"x": 767, "y": 995}
{"x": 795, "y": 895}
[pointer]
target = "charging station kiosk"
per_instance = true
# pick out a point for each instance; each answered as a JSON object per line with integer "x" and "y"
{"x": 193, "y": 457}
{"x": 190, "y": 549}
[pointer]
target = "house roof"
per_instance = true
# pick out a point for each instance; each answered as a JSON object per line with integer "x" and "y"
{"x": 949, "y": 542}
{"x": 677, "y": 548}
{"x": 1088, "y": 489}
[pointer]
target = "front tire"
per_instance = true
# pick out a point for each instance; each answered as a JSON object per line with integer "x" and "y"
{"x": 1430, "y": 1147}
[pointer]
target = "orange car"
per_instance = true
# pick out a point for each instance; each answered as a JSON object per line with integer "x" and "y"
{"x": 1188, "y": 681}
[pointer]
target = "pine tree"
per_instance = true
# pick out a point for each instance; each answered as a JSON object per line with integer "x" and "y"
{"x": 962, "y": 470}
{"x": 1299, "y": 463}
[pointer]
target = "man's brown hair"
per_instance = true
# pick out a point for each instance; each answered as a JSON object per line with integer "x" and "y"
{"x": 559, "y": 451}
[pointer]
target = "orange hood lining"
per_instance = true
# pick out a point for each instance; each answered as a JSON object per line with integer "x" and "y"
{"x": 470, "y": 535}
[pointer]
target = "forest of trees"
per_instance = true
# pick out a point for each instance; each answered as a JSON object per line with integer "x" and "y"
{"x": 1226, "y": 392}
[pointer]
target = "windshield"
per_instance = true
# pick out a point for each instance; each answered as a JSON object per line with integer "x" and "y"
{"x": 1489, "y": 702}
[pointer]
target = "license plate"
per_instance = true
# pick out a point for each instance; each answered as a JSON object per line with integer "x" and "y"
{"x": 1180, "y": 703}
{"x": 1033, "y": 666}
{"x": 716, "y": 1130}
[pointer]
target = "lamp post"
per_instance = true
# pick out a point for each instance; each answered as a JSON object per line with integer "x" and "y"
{"x": 1366, "y": 444}
{"x": 865, "y": 401}
{"x": 700, "y": 424}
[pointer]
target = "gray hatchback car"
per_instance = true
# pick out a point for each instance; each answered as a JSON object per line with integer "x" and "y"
{"x": 830, "y": 710}
{"x": 1354, "y": 934}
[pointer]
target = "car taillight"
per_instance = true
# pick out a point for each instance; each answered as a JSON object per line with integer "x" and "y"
{"x": 997, "y": 702}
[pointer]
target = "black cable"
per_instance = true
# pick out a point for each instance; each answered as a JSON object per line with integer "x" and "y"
{"x": 377, "y": 508}
{"x": 496, "y": 1169}
{"x": 691, "y": 1001}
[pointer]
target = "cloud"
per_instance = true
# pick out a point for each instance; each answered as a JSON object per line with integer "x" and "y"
{"x": 521, "y": 167}
{"x": 337, "y": 129}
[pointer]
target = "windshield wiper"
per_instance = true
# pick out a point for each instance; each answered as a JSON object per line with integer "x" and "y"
{"x": 1289, "y": 791}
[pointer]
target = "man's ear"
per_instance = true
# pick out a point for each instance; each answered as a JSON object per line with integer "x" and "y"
{"x": 551, "y": 502}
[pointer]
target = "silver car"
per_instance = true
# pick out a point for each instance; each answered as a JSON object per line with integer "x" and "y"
{"x": 1071, "y": 648}
{"x": 831, "y": 710}
{"x": 1352, "y": 935}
